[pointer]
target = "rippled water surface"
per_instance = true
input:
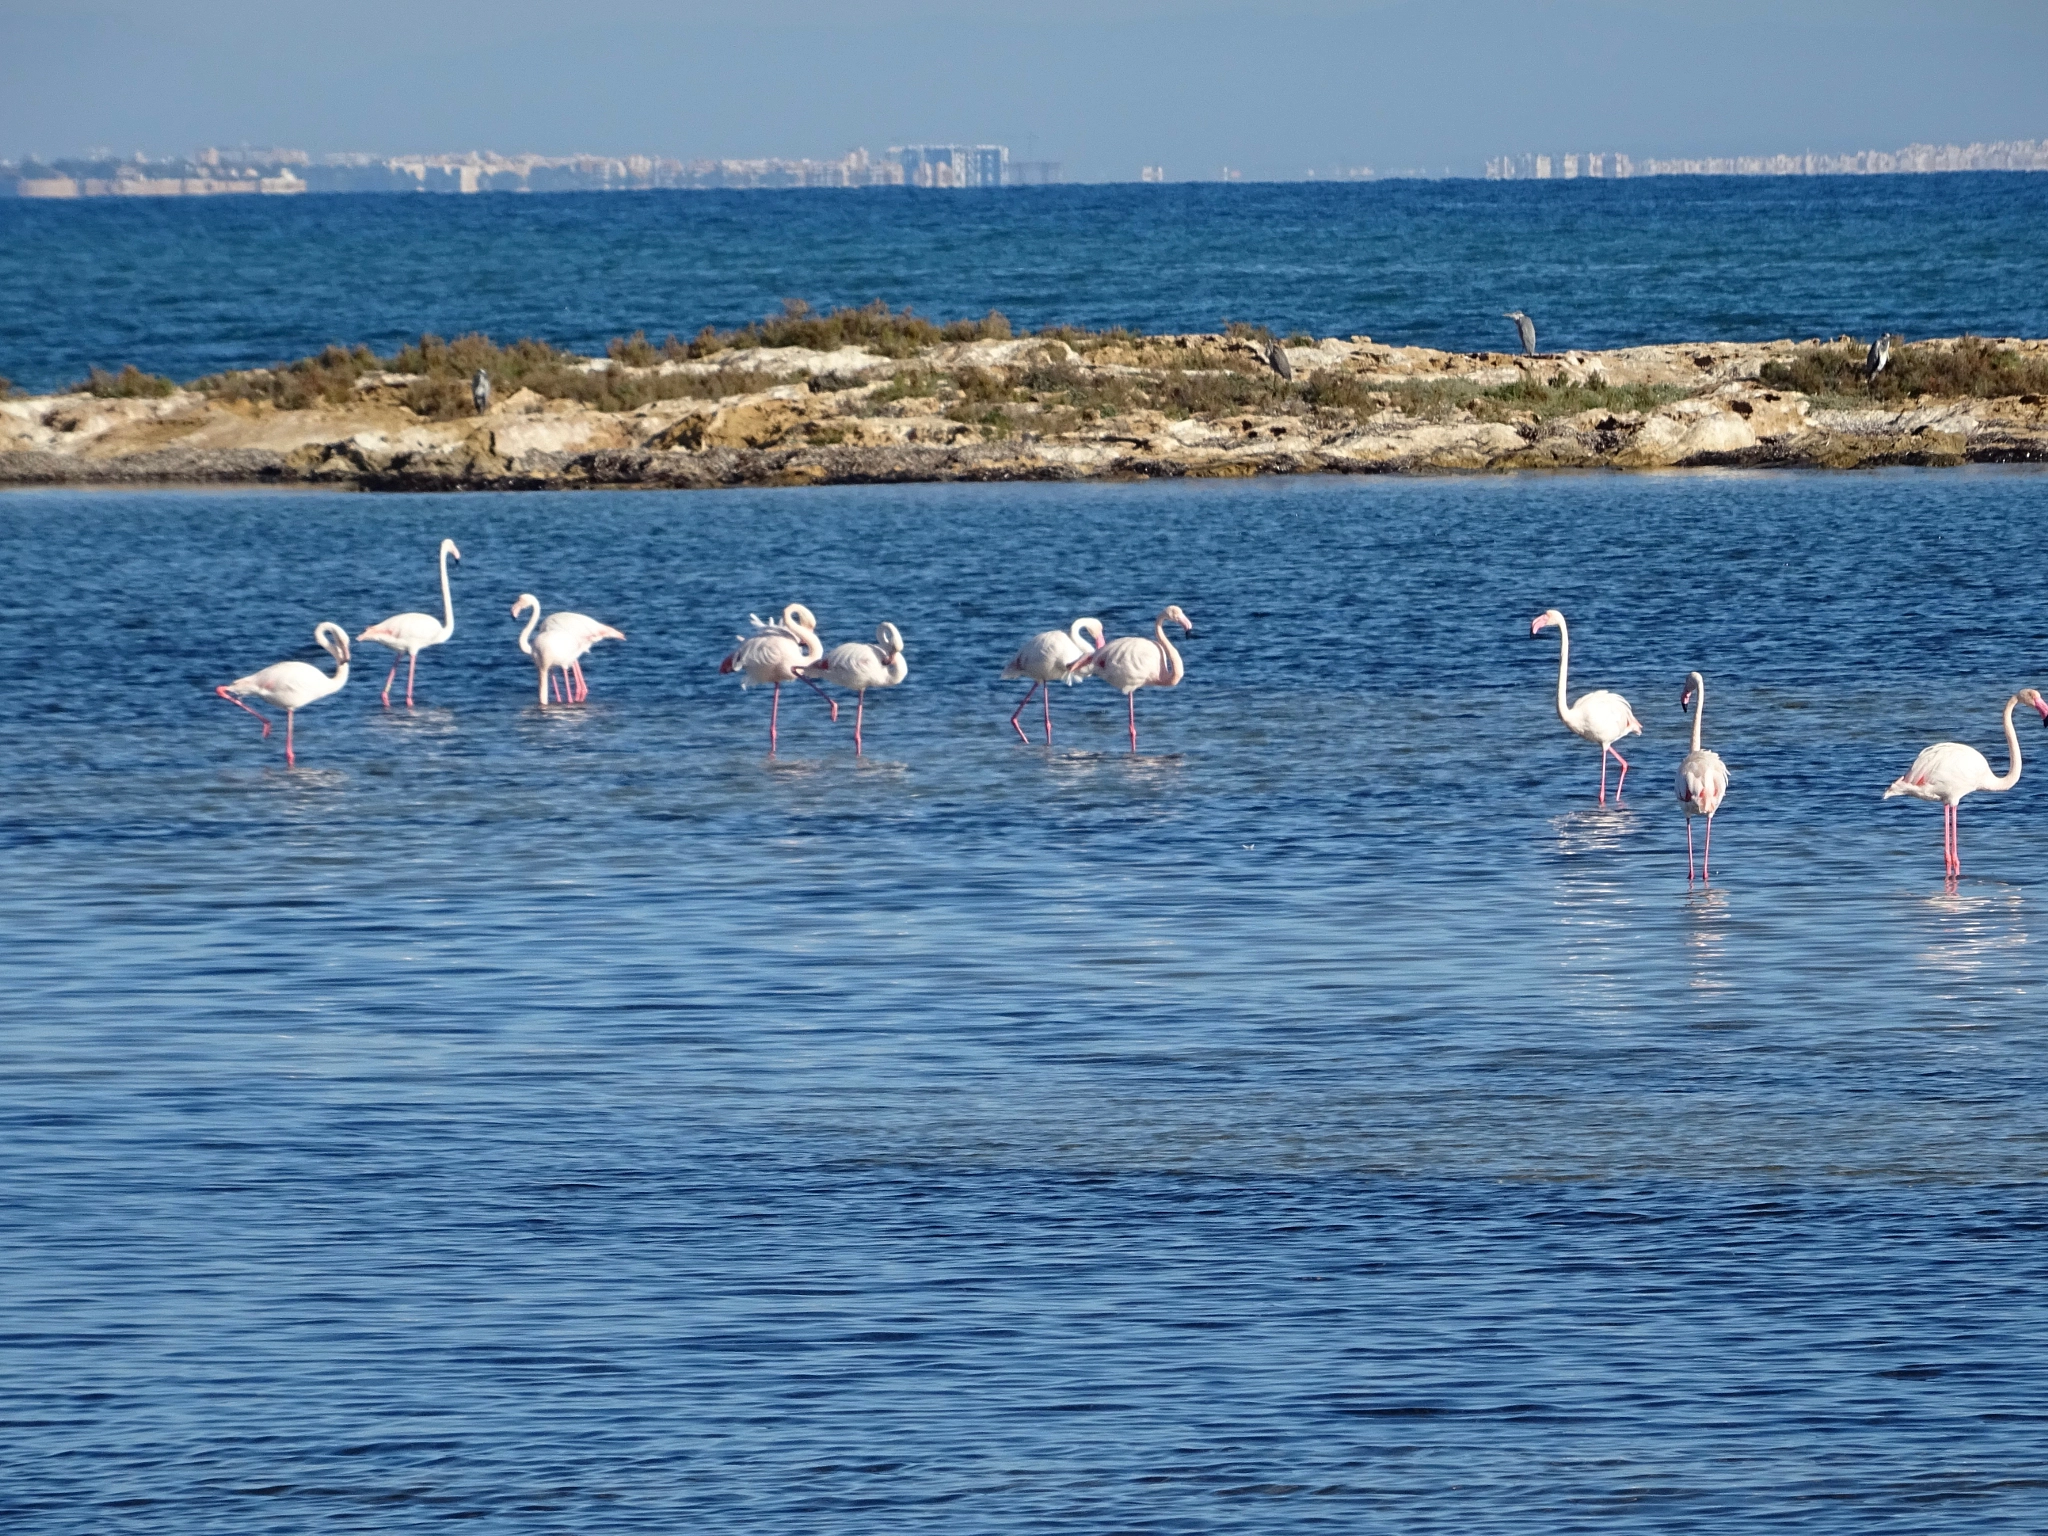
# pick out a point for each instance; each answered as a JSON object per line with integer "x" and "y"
{"x": 1329, "y": 1119}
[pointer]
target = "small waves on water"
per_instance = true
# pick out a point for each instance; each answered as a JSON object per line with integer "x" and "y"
{"x": 1330, "y": 1117}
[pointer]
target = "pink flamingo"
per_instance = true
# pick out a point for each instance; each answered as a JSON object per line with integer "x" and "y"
{"x": 562, "y": 640}
{"x": 1702, "y": 777}
{"x": 860, "y": 666}
{"x": 1052, "y": 656}
{"x": 410, "y": 633}
{"x": 776, "y": 653}
{"x": 1600, "y": 716}
{"x": 1949, "y": 770}
{"x": 1133, "y": 662}
{"x": 292, "y": 685}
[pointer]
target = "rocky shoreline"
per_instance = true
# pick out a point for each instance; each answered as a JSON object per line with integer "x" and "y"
{"x": 1035, "y": 408}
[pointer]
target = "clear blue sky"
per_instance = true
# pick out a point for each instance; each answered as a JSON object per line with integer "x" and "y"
{"x": 1274, "y": 89}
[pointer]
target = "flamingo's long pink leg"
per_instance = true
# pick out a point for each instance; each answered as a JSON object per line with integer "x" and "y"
{"x": 1624, "y": 773}
{"x": 1688, "y": 849}
{"x": 1707, "y": 858}
{"x": 389, "y": 678}
{"x": 412, "y": 665}
{"x": 1603, "y": 775}
{"x": 1131, "y": 699}
{"x": 289, "y": 760}
{"x": 222, "y": 690}
{"x": 582, "y": 688}
{"x": 774, "y": 709}
{"x": 860, "y": 709}
{"x": 831, "y": 703}
{"x": 1020, "y": 710}
{"x": 1048, "y": 712}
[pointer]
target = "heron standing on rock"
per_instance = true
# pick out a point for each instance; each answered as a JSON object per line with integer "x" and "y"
{"x": 1528, "y": 329}
{"x": 1879, "y": 354}
{"x": 1276, "y": 359}
{"x": 480, "y": 391}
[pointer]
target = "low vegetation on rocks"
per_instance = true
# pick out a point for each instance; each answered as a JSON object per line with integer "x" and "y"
{"x": 131, "y": 383}
{"x": 1968, "y": 368}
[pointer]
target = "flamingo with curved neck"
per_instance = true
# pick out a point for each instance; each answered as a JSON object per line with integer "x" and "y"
{"x": 1599, "y": 716}
{"x": 292, "y": 685}
{"x": 859, "y": 666}
{"x": 776, "y": 653}
{"x": 1052, "y": 656}
{"x": 1702, "y": 777}
{"x": 560, "y": 645}
{"x": 1132, "y": 662}
{"x": 410, "y": 633}
{"x": 1950, "y": 770}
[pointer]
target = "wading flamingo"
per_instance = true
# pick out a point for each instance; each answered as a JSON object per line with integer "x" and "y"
{"x": 560, "y": 646}
{"x": 292, "y": 685}
{"x": 776, "y": 653}
{"x": 1702, "y": 777}
{"x": 1133, "y": 662}
{"x": 860, "y": 666}
{"x": 1949, "y": 770}
{"x": 1600, "y": 716}
{"x": 1053, "y": 656}
{"x": 410, "y": 633}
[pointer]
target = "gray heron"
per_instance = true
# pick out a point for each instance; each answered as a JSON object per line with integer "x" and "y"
{"x": 1879, "y": 354}
{"x": 1528, "y": 329}
{"x": 480, "y": 391}
{"x": 1276, "y": 358}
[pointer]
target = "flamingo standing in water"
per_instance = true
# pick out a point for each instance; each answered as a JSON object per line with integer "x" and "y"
{"x": 292, "y": 685}
{"x": 776, "y": 653}
{"x": 1949, "y": 770}
{"x": 410, "y": 633}
{"x": 1599, "y": 716}
{"x": 1702, "y": 777}
{"x": 1133, "y": 662}
{"x": 860, "y": 666}
{"x": 1053, "y": 656}
{"x": 560, "y": 645}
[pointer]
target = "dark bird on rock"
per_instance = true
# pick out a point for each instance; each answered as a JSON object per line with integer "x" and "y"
{"x": 1879, "y": 354}
{"x": 1276, "y": 356}
{"x": 480, "y": 391}
{"x": 1528, "y": 329}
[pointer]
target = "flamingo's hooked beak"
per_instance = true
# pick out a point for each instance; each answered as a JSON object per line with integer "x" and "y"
{"x": 1536, "y": 625}
{"x": 1684, "y": 700}
{"x": 2042, "y": 705}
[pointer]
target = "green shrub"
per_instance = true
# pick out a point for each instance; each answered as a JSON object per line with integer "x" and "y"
{"x": 329, "y": 379}
{"x": 1971, "y": 368}
{"x": 131, "y": 383}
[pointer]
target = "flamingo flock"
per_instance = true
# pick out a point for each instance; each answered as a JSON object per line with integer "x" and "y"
{"x": 788, "y": 649}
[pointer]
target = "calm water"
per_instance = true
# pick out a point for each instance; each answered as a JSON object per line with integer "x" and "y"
{"x": 1329, "y": 1120}
{"x": 184, "y": 287}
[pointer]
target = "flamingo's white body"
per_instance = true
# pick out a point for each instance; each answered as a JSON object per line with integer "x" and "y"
{"x": 410, "y": 633}
{"x": 559, "y": 646}
{"x": 859, "y": 666}
{"x": 1599, "y": 716}
{"x": 1949, "y": 770}
{"x": 1702, "y": 777}
{"x": 292, "y": 685}
{"x": 1053, "y": 656}
{"x": 1133, "y": 662}
{"x": 776, "y": 653}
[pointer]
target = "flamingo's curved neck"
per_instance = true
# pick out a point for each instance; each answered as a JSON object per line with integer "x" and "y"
{"x": 448, "y": 599}
{"x": 1170, "y": 671}
{"x": 1564, "y": 661}
{"x": 525, "y": 635}
{"x": 1699, "y": 708}
{"x": 813, "y": 648}
{"x": 2011, "y": 776}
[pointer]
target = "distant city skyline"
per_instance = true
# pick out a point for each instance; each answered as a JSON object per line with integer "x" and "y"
{"x": 1269, "y": 91}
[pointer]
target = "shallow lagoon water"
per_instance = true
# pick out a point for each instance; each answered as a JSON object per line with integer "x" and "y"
{"x": 1331, "y": 1118}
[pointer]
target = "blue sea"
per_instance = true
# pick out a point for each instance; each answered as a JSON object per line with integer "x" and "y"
{"x": 1330, "y": 1118}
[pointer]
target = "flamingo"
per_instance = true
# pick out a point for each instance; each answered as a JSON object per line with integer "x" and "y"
{"x": 1702, "y": 777}
{"x": 292, "y": 685}
{"x": 1598, "y": 716}
{"x": 1049, "y": 657}
{"x": 1133, "y": 662}
{"x": 776, "y": 653}
{"x": 860, "y": 666}
{"x": 410, "y": 633}
{"x": 562, "y": 640}
{"x": 1949, "y": 770}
